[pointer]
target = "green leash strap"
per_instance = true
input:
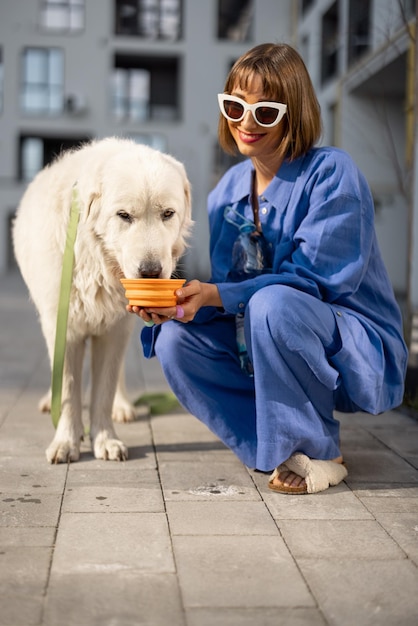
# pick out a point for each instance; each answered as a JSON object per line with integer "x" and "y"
{"x": 62, "y": 313}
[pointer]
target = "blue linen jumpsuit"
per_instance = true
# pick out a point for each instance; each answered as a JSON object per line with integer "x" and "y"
{"x": 323, "y": 329}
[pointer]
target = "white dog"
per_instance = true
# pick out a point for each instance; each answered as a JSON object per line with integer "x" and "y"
{"x": 135, "y": 216}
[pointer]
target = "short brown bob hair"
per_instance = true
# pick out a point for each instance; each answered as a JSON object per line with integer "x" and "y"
{"x": 285, "y": 79}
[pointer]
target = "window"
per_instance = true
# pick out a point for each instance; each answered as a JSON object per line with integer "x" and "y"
{"x": 407, "y": 8}
{"x": 150, "y": 19}
{"x": 36, "y": 151}
{"x": 359, "y": 29}
{"x": 330, "y": 43}
{"x": 145, "y": 88}
{"x": 332, "y": 111}
{"x": 305, "y": 5}
{"x": 222, "y": 162}
{"x": 304, "y": 49}
{"x": 63, "y": 15}
{"x": 42, "y": 81}
{"x": 154, "y": 140}
{"x": 1, "y": 81}
{"x": 235, "y": 19}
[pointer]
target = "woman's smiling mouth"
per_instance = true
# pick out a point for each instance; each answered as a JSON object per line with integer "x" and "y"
{"x": 250, "y": 137}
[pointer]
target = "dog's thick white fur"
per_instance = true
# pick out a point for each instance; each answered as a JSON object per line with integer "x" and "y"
{"x": 135, "y": 216}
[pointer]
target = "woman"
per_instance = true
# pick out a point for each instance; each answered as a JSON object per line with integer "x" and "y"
{"x": 294, "y": 260}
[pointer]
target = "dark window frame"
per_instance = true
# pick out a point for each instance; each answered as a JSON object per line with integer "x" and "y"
{"x": 53, "y": 146}
{"x": 330, "y": 25}
{"x": 235, "y": 20}
{"x": 134, "y": 22}
{"x": 164, "y": 81}
{"x": 45, "y": 88}
{"x": 359, "y": 29}
{"x": 69, "y": 10}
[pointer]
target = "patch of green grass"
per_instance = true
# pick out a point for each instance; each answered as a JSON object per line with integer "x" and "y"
{"x": 159, "y": 403}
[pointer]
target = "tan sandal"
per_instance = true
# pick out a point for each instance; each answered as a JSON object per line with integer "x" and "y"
{"x": 318, "y": 475}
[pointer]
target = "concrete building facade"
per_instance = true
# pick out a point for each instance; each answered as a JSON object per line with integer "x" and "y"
{"x": 71, "y": 70}
{"x": 147, "y": 69}
{"x": 361, "y": 56}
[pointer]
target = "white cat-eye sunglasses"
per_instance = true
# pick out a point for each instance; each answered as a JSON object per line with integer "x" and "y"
{"x": 265, "y": 113}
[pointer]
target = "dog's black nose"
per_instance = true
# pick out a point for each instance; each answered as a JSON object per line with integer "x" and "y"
{"x": 150, "y": 270}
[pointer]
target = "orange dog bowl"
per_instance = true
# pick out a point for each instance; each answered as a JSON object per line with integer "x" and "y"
{"x": 159, "y": 292}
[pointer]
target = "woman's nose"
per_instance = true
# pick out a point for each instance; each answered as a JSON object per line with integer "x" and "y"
{"x": 248, "y": 119}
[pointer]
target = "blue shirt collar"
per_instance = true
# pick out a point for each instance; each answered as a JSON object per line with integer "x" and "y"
{"x": 284, "y": 180}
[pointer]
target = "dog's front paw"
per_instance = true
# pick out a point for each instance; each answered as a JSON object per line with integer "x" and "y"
{"x": 63, "y": 451}
{"x": 109, "y": 448}
{"x": 124, "y": 411}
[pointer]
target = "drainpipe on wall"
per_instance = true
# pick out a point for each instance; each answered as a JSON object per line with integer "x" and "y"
{"x": 411, "y": 161}
{"x": 410, "y": 141}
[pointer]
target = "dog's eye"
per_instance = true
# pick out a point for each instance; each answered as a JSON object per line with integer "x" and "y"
{"x": 125, "y": 216}
{"x": 167, "y": 214}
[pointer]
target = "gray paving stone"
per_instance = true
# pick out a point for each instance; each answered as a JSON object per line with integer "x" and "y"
{"x": 112, "y": 559}
{"x": 120, "y": 499}
{"x": 368, "y": 421}
{"x": 336, "y": 503}
{"x": 126, "y": 598}
{"x": 412, "y": 459}
{"x": 179, "y": 426}
{"x": 203, "y": 452}
{"x": 109, "y": 474}
{"x": 31, "y": 537}
{"x": 24, "y": 570}
{"x": 220, "y": 518}
{"x": 26, "y": 441}
{"x": 181, "y": 437}
{"x": 21, "y": 609}
{"x": 356, "y": 438}
{"x": 137, "y": 433}
{"x": 255, "y": 617}
{"x": 378, "y": 505}
{"x": 244, "y": 572}
{"x": 199, "y": 481}
{"x": 29, "y": 510}
{"x": 31, "y": 476}
{"x": 364, "y": 593}
{"x": 384, "y": 490}
{"x": 401, "y": 440}
{"x": 339, "y": 539}
{"x": 95, "y": 543}
{"x": 403, "y": 528}
{"x": 385, "y": 467}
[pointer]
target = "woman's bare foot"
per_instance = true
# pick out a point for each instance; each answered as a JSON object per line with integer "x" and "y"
{"x": 292, "y": 481}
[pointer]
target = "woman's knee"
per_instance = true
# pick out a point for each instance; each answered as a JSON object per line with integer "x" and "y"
{"x": 292, "y": 317}
{"x": 171, "y": 343}
{"x": 275, "y": 302}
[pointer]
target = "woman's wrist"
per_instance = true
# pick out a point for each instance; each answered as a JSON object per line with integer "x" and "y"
{"x": 210, "y": 295}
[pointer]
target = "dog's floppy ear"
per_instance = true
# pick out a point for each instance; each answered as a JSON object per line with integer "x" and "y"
{"x": 187, "y": 222}
{"x": 188, "y": 198}
{"x": 89, "y": 182}
{"x": 89, "y": 197}
{"x": 92, "y": 205}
